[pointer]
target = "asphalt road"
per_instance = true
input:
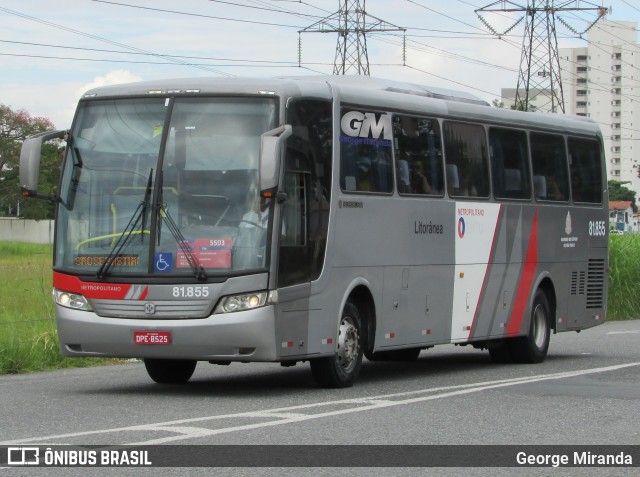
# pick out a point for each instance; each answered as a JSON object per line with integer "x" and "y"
{"x": 586, "y": 392}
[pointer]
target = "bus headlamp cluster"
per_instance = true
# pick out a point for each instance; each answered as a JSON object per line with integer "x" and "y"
{"x": 247, "y": 301}
{"x": 71, "y": 300}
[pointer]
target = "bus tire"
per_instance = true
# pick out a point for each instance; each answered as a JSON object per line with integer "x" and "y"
{"x": 342, "y": 369}
{"x": 170, "y": 371}
{"x": 533, "y": 347}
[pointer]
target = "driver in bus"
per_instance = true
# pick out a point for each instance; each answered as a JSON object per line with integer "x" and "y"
{"x": 258, "y": 215}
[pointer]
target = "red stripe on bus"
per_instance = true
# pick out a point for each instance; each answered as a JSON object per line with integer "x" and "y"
{"x": 111, "y": 291}
{"x": 472, "y": 328}
{"x": 144, "y": 293}
{"x": 526, "y": 281}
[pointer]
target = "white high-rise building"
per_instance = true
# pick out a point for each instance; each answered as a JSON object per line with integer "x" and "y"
{"x": 602, "y": 81}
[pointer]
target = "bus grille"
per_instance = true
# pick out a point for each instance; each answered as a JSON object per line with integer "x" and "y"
{"x": 164, "y": 310}
{"x": 595, "y": 283}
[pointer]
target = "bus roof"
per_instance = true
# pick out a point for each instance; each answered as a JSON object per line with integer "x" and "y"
{"x": 381, "y": 93}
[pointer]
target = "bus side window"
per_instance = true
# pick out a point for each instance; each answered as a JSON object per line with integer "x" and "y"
{"x": 418, "y": 153}
{"x": 509, "y": 164}
{"x": 365, "y": 162}
{"x": 465, "y": 147}
{"x": 586, "y": 177}
{"x": 540, "y": 187}
{"x": 549, "y": 160}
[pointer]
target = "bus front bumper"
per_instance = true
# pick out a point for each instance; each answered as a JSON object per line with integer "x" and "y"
{"x": 240, "y": 336}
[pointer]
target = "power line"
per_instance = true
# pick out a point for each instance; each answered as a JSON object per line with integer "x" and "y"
{"x": 448, "y": 79}
{"x": 100, "y": 50}
{"x": 111, "y": 42}
{"x": 444, "y": 53}
{"x": 260, "y": 6}
{"x": 103, "y": 60}
{"x": 444, "y": 15}
{"x": 200, "y": 15}
{"x": 628, "y": 4}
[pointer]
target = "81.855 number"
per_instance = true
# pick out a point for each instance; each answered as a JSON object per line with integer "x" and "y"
{"x": 190, "y": 292}
{"x": 597, "y": 228}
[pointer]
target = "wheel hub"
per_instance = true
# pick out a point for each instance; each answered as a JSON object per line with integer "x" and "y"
{"x": 539, "y": 326}
{"x": 348, "y": 344}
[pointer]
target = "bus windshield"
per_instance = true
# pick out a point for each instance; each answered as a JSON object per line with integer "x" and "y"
{"x": 164, "y": 186}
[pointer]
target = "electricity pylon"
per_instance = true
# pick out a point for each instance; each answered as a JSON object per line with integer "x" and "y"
{"x": 352, "y": 23}
{"x": 539, "y": 75}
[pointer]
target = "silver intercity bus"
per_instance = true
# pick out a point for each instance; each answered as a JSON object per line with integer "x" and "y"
{"x": 320, "y": 219}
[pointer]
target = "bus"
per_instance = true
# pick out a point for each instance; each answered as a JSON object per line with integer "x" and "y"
{"x": 320, "y": 219}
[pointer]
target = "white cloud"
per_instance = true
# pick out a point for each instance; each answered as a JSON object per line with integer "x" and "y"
{"x": 61, "y": 113}
{"x": 112, "y": 77}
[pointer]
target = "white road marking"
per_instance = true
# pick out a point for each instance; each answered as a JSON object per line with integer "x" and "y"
{"x": 186, "y": 431}
{"x": 630, "y": 332}
{"x": 283, "y": 416}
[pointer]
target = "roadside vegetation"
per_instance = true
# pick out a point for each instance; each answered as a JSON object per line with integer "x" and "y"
{"x": 624, "y": 277}
{"x": 28, "y": 335}
{"x": 29, "y": 340}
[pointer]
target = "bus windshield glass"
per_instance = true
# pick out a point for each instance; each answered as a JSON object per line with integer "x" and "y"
{"x": 164, "y": 187}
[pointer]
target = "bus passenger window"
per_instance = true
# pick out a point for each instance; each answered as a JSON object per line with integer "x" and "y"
{"x": 509, "y": 164}
{"x": 365, "y": 161}
{"x": 418, "y": 153}
{"x": 549, "y": 161}
{"x": 586, "y": 177}
{"x": 465, "y": 148}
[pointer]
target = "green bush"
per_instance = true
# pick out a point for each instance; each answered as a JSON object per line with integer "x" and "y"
{"x": 28, "y": 335}
{"x": 624, "y": 277}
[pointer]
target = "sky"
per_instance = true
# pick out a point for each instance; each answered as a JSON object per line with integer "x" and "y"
{"x": 52, "y": 52}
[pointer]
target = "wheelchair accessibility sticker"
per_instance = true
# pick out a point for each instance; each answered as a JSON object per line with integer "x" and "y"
{"x": 162, "y": 262}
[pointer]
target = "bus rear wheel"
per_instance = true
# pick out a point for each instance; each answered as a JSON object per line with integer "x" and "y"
{"x": 342, "y": 369}
{"x": 533, "y": 347}
{"x": 170, "y": 371}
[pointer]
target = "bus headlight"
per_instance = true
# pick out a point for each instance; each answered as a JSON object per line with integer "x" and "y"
{"x": 71, "y": 300}
{"x": 247, "y": 301}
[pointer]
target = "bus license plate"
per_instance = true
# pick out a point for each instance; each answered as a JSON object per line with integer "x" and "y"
{"x": 152, "y": 337}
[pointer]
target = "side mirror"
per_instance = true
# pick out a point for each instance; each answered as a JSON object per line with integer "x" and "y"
{"x": 30, "y": 161}
{"x": 271, "y": 147}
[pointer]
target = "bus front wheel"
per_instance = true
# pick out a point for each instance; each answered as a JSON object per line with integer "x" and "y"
{"x": 342, "y": 369}
{"x": 170, "y": 371}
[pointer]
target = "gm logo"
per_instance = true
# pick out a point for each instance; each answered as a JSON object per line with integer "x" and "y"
{"x": 357, "y": 124}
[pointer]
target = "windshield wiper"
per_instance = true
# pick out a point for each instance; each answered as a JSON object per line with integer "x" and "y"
{"x": 163, "y": 215}
{"x": 75, "y": 172}
{"x": 145, "y": 204}
{"x": 140, "y": 215}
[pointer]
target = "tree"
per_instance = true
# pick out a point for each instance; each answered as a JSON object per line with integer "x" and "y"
{"x": 617, "y": 191}
{"x": 15, "y": 127}
{"x": 520, "y": 105}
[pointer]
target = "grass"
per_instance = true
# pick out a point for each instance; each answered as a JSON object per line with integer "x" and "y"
{"x": 624, "y": 277}
{"x": 28, "y": 335}
{"x": 29, "y": 339}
